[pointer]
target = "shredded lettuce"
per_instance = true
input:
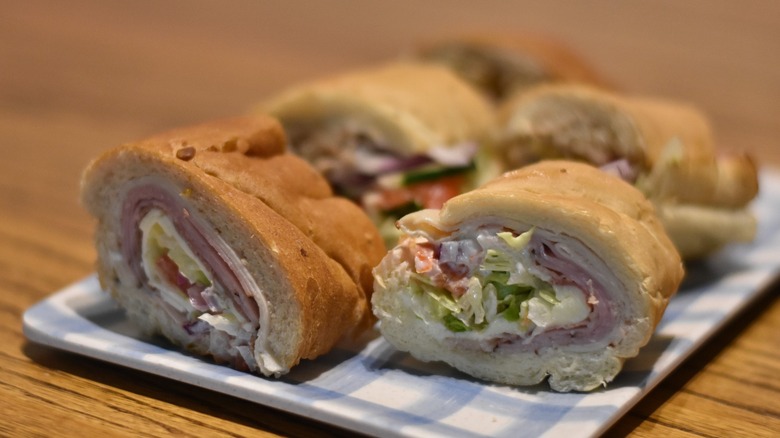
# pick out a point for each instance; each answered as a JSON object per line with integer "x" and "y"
{"x": 511, "y": 311}
{"x": 454, "y": 324}
{"x": 471, "y": 302}
{"x": 500, "y": 288}
{"x": 442, "y": 302}
{"x": 496, "y": 261}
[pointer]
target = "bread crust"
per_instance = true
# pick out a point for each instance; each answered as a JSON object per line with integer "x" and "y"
{"x": 267, "y": 205}
{"x": 411, "y": 107}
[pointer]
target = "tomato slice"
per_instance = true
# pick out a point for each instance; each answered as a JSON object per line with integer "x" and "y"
{"x": 427, "y": 194}
{"x": 433, "y": 194}
{"x": 171, "y": 272}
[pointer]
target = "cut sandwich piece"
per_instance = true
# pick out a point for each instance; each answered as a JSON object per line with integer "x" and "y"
{"x": 556, "y": 269}
{"x": 216, "y": 239}
{"x": 501, "y": 65}
{"x": 394, "y": 138}
{"x": 664, "y": 148}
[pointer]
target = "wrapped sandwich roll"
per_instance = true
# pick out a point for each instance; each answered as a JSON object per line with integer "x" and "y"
{"x": 501, "y": 65}
{"x": 664, "y": 148}
{"x": 394, "y": 138}
{"x": 556, "y": 269}
{"x": 216, "y": 239}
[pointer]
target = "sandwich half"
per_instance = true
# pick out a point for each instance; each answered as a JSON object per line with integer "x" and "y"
{"x": 664, "y": 148}
{"x": 215, "y": 238}
{"x": 394, "y": 138}
{"x": 556, "y": 270}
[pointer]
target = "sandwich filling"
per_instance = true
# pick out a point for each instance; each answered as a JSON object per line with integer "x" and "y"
{"x": 492, "y": 288}
{"x": 388, "y": 185}
{"x": 199, "y": 281}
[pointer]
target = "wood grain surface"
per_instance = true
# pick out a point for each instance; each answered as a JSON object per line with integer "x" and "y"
{"x": 81, "y": 76}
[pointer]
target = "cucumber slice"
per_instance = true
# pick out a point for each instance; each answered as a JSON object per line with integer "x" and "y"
{"x": 432, "y": 172}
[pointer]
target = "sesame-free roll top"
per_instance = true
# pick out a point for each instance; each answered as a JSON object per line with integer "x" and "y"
{"x": 555, "y": 270}
{"x": 215, "y": 238}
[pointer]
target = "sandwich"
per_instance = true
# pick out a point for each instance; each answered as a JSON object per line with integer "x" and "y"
{"x": 664, "y": 148}
{"x": 555, "y": 271}
{"x": 216, "y": 239}
{"x": 394, "y": 138}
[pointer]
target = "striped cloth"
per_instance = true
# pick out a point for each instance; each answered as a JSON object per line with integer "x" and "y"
{"x": 370, "y": 387}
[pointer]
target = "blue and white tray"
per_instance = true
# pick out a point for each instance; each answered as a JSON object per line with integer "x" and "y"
{"x": 372, "y": 388}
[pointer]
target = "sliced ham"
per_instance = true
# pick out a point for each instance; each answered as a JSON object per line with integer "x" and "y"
{"x": 226, "y": 270}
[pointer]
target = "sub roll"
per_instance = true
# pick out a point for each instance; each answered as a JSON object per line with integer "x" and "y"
{"x": 556, "y": 271}
{"x": 502, "y": 65}
{"x": 215, "y": 238}
{"x": 394, "y": 138}
{"x": 664, "y": 148}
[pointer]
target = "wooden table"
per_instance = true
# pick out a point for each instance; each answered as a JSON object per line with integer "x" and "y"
{"x": 78, "y": 77}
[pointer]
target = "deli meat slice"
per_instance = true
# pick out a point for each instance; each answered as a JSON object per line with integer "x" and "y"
{"x": 215, "y": 238}
{"x": 557, "y": 269}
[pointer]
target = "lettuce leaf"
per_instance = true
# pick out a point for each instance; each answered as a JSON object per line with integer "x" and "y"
{"x": 502, "y": 288}
{"x": 454, "y": 324}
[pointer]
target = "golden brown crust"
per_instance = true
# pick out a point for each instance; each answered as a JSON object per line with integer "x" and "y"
{"x": 258, "y": 136}
{"x": 502, "y": 64}
{"x": 267, "y": 205}
{"x": 411, "y": 107}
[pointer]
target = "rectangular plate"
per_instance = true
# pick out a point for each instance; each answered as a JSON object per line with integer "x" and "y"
{"x": 372, "y": 388}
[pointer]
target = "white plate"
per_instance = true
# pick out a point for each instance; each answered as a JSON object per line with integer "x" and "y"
{"x": 374, "y": 389}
